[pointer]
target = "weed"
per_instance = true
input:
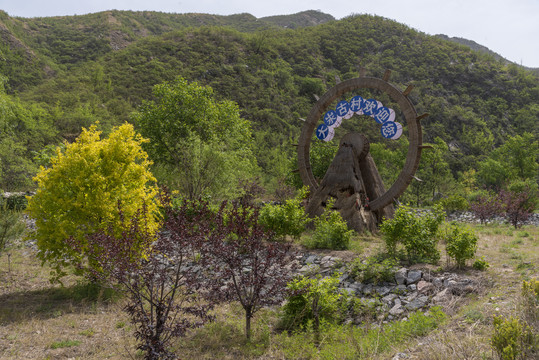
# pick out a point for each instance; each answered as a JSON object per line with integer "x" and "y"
{"x": 474, "y": 315}
{"x": 517, "y": 337}
{"x": 515, "y": 256}
{"x": 529, "y": 305}
{"x": 120, "y": 324}
{"x": 350, "y": 342}
{"x": 516, "y": 242}
{"x": 93, "y": 291}
{"x": 64, "y": 344}
{"x": 87, "y": 332}
{"x": 11, "y": 225}
{"x": 373, "y": 270}
{"x": 524, "y": 265}
{"x": 361, "y": 309}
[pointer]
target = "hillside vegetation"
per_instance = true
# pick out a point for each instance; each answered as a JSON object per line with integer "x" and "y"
{"x": 155, "y": 145}
{"x": 65, "y": 73}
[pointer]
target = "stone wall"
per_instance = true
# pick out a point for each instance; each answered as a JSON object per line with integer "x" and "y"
{"x": 410, "y": 290}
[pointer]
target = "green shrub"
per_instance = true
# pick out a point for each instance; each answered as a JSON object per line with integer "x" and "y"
{"x": 15, "y": 201}
{"x": 330, "y": 232}
{"x": 373, "y": 270}
{"x": 418, "y": 233}
{"x": 461, "y": 244}
{"x": 11, "y": 226}
{"x": 529, "y": 306}
{"x": 518, "y": 337}
{"x": 365, "y": 309}
{"x": 531, "y": 289}
{"x": 511, "y": 339}
{"x": 455, "y": 203}
{"x": 480, "y": 264}
{"x": 286, "y": 219}
{"x": 311, "y": 299}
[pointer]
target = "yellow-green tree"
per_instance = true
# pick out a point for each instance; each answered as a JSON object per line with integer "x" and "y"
{"x": 81, "y": 192}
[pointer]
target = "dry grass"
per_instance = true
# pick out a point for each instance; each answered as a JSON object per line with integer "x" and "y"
{"x": 43, "y": 321}
{"x": 513, "y": 256}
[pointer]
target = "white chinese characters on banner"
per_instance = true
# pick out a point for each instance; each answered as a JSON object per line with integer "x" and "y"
{"x": 330, "y": 117}
{"x": 370, "y": 106}
{"x": 357, "y": 105}
{"x": 342, "y": 108}
{"x": 324, "y": 132}
{"x": 391, "y": 130}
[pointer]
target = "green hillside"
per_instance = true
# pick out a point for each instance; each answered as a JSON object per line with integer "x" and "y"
{"x": 101, "y": 67}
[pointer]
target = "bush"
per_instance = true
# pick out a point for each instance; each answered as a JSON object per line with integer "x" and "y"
{"x": 311, "y": 300}
{"x": 286, "y": 219}
{"x": 461, "y": 244}
{"x": 529, "y": 307}
{"x": 480, "y": 264}
{"x": 330, "y": 232}
{"x": 11, "y": 225}
{"x": 512, "y": 339}
{"x": 486, "y": 207}
{"x": 517, "y": 205}
{"x": 455, "y": 203}
{"x": 417, "y": 233}
{"x": 79, "y": 194}
{"x": 14, "y": 201}
{"x": 373, "y": 270}
{"x": 518, "y": 337}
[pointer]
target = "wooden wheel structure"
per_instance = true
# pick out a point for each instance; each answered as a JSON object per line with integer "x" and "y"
{"x": 412, "y": 122}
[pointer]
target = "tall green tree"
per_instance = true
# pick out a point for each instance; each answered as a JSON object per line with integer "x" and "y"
{"x": 515, "y": 160}
{"x": 433, "y": 175}
{"x": 200, "y": 145}
{"x": 24, "y": 129}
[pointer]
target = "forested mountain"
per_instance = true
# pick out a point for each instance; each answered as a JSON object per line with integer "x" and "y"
{"x": 478, "y": 47}
{"x": 68, "y": 72}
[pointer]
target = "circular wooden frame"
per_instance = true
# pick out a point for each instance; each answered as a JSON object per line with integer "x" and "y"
{"x": 414, "y": 133}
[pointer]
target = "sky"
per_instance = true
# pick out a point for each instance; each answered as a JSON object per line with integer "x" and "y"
{"x": 507, "y": 27}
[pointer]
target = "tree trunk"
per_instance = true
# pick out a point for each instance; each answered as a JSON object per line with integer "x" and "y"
{"x": 248, "y": 316}
{"x": 316, "y": 325}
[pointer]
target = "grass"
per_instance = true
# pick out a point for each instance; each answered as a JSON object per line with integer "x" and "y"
{"x": 64, "y": 344}
{"x": 39, "y": 320}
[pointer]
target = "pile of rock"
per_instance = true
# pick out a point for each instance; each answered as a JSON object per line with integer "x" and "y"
{"x": 469, "y": 217}
{"x": 410, "y": 290}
